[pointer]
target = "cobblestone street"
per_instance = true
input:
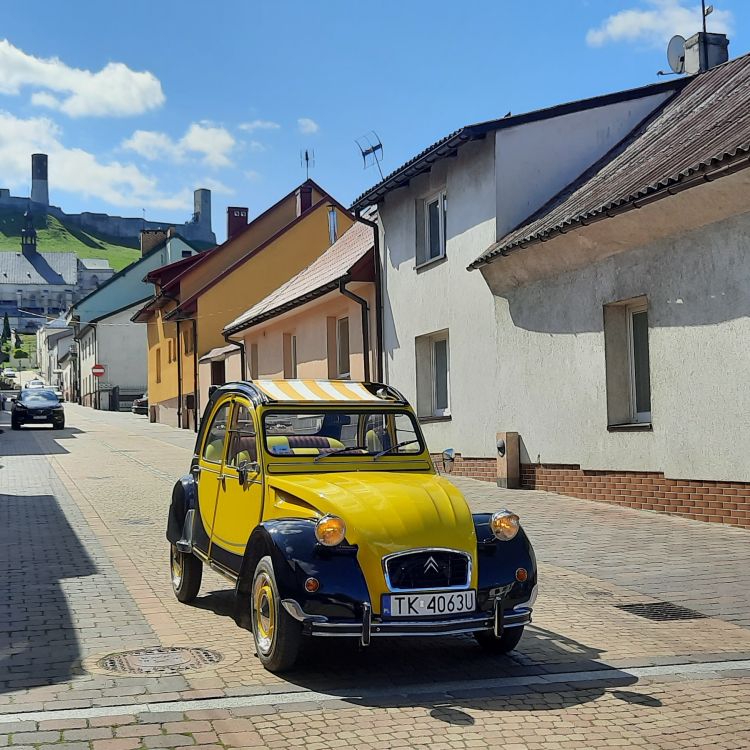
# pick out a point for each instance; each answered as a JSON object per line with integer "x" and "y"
{"x": 85, "y": 568}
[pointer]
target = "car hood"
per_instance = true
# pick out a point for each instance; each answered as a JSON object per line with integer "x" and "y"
{"x": 384, "y": 512}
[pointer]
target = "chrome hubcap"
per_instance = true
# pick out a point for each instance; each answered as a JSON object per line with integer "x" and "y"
{"x": 176, "y": 568}
{"x": 264, "y": 613}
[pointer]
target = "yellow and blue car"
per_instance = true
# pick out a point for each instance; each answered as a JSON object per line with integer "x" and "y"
{"x": 319, "y": 501}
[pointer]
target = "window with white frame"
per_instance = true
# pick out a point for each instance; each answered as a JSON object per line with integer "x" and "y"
{"x": 432, "y": 217}
{"x": 343, "y": 364}
{"x": 433, "y": 375}
{"x": 627, "y": 363}
{"x": 290, "y": 355}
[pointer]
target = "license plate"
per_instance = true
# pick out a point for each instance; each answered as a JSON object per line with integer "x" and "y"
{"x": 429, "y": 604}
{"x": 39, "y": 417}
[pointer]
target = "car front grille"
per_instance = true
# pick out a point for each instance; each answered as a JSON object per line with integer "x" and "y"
{"x": 428, "y": 569}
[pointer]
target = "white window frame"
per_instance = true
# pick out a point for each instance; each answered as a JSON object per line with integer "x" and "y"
{"x": 642, "y": 417}
{"x": 441, "y": 197}
{"x": 348, "y": 373}
{"x": 436, "y": 412}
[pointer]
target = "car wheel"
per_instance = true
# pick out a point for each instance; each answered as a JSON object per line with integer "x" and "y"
{"x": 15, "y": 425}
{"x": 59, "y": 425}
{"x": 186, "y": 571}
{"x": 276, "y": 633}
{"x": 502, "y": 645}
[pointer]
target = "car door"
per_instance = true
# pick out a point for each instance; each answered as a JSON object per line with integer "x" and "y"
{"x": 210, "y": 468}
{"x": 241, "y": 493}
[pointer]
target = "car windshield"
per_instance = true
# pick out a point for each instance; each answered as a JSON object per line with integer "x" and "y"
{"x": 38, "y": 397}
{"x": 321, "y": 433}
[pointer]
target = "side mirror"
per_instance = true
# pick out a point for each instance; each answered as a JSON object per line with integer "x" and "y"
{"x": 449, "y": 456}
{"x": 246, "y": 469}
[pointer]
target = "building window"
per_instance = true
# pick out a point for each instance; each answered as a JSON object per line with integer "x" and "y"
{"x": 431, "y": 227}
{"x": 158, "y": 365}
{"x": 433, "y": 375}
{"x": 290, "y": 356}
{"x": 171, "y": 350}
{"x": 333, "y": 225}
{"x": 218, "y": 373}
{"x": 343, "y": 367}
{"x": 627, "y": 362}
{"x": 187, "y": 337}
{"x": 253, "y": 361}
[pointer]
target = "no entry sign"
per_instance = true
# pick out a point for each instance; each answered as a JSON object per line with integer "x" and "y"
{"x": 97, "y": 371}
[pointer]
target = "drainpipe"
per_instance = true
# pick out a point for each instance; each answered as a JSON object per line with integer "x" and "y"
{"x": 241, "y": 346}
{"x": 378, "y": 297}
{"x": 365, "y": 325}
{"x": 179, "y": 377}
{"x": 196, "y": 390}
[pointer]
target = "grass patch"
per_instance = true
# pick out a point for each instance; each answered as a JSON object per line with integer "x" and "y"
{"x": 53, "y": 236}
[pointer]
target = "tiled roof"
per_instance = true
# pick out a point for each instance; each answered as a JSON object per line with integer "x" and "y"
{"x": 448, "y": 145}
{"x": 322, "y": 273}
{"x": 38, "y": 268}
{"x": 697, "y": 132}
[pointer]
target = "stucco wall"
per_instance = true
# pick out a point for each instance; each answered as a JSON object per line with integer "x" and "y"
{"x": 445, "y": 295}
{"x": 309, "y": 325}
{"x": 536, "y": 160}
{"x": 550, "y": 358}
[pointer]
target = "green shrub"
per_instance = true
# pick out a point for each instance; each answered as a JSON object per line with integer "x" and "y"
{"x": 20, "y": 354}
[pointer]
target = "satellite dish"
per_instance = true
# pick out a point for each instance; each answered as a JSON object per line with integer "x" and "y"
{"x": 676, "y": 53}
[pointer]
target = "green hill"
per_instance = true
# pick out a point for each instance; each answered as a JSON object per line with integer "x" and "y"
{"x": 53, "y": 236}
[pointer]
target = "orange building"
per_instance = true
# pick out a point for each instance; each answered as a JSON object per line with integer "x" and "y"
{"x": 187, "y": 349}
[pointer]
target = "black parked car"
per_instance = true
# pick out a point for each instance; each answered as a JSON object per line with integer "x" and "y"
{"x": 140, "y": 405}
{"x": 37, "y": 406}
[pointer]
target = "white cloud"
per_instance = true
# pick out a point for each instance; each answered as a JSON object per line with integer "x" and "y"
{"x": 256, "y": 147}
{"x": 251, "y": 127}
{"x": 77, "y": 171}
{"x": 307, "y": 126}
{"x": 211, "y": 142}
{"x": 656, "y": 24}
{"x": 113, "y": 91}
{"x": 253, "y": 176}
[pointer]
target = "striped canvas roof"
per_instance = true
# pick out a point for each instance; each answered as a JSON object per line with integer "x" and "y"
{"x": 314, "y": 390}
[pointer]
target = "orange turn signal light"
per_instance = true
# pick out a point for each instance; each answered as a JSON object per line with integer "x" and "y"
{"x": 312, "y": 585}
{"x": 522, "y": 574}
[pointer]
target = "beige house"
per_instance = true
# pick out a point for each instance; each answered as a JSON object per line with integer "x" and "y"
{"x": 322, "y": 323}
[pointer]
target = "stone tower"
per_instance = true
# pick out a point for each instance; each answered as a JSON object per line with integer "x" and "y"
{"x": 202, "y": 207}
{"x": 39, "y": 188}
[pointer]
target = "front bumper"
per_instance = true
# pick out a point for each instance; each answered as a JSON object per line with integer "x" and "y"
{"x": 496, "y": 620}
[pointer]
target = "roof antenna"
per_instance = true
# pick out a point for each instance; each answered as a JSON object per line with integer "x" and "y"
{"x": 307, "y": 160}
{"x": 371, "y": 149}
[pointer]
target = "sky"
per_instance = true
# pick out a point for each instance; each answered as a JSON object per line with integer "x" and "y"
{"x": 139, "y": 103}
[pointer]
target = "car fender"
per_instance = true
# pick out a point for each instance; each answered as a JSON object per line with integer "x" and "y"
{"x": 297, "y": 556}
{"x": 498, "y": 561}
{"x": 184, "y": 498}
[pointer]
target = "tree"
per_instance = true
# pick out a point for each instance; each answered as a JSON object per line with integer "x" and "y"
{"x": 18, "y": 343}
{"x": 6, "y": 329}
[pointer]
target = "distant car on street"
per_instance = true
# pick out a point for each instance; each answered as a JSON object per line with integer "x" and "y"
{"x": 35, "y": 384}
{"x": 140, "y": 405}
{"x": 9, "y": 372}
{"x": 37, "y": 406}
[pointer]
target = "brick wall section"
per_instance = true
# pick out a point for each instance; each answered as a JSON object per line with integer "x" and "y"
{"x": 719, "y": 502}
{"x": 474, "y": 468}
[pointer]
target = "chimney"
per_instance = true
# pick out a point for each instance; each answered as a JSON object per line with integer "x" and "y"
{"x": 236, "y": 220}
{"x": 39, "y": 188}
{"x": 304, "y": 198}
{"x": 704, "y": 51}
{"x": 150, "y": 238}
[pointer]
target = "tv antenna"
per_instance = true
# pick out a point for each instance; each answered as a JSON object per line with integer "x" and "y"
{"x": 707, "y": 11}
{"x": 307, "y": 160}
{"x": 371, "y": 149}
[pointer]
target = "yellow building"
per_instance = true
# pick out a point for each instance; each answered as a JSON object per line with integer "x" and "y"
{"x": 193, "y": 301}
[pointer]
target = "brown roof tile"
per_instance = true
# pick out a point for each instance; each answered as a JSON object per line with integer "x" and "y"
{"x": 703, "y": 127}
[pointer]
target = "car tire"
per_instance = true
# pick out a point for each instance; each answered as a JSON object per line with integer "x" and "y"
{"x": 502, "y": 645}
{"x": 15, "y": 425}
{"x": 277, "y": 635}
{"x": 59, "y": 426}
{"x": 186, "y": 572}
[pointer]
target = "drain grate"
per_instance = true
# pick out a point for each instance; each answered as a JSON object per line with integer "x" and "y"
{"x": 661, "y": 611}
{"x": 159, "y": 661}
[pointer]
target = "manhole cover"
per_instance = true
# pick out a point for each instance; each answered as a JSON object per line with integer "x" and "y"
{"x": 661, "y": 611}
{"x": 159, "y": 661}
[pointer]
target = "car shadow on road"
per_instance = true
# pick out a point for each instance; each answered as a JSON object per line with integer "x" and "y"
{"x": 23, "y": 443}
{"x": 38, "y": 641}
{"x": 402, "y": 668}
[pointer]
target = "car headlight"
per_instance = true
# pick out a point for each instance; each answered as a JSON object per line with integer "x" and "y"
{"x": 505, "y": 525}
{"x": 330, "y": 531}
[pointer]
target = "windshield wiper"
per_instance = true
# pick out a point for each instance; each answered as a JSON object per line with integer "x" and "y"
{"x": 340, "y": 450}
{"x": 393, "y": 448}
